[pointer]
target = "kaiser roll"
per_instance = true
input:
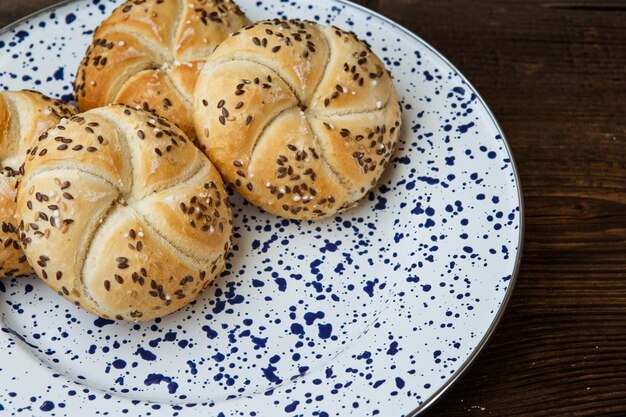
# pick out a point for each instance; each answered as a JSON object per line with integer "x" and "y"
{"x": 24, "y": 115}
{"x": 148, "y": 53}
{"x": 122, "y": 215}
{"x": 305, "y": 120}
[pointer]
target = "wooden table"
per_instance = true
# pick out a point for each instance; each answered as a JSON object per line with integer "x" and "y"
{"x": 554, "y": 73}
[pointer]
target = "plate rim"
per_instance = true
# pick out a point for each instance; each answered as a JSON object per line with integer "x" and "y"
{"x": 480, "y": 347}
{"x": 471, "y": 359}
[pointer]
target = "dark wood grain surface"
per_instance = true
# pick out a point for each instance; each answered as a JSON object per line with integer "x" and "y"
{"x": 554, "y": 73}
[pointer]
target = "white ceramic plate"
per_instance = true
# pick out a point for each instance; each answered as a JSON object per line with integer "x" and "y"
{"x": 375, "y": 312}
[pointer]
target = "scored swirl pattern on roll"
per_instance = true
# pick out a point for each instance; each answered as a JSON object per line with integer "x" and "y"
{"x": 122, "y": 215}
{"x": 305, "y": 118}
{"x": 24, "y": 116}
{"x": 148, "y": 54}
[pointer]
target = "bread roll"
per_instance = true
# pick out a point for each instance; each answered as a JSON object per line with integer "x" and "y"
{"x": 122, "y": 215}
{"x": 24, "y": 115}
{"x": 305, "y": 118}
{"x": 147, "y": 54}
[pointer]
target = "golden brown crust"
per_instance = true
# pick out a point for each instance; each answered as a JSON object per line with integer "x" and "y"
{"x": 93, "y": 146}
{"x": 243, "y": 116}
{"x": 305, "y": 120}
{"x": 156, "y": 88}
{"x": 298, "y": 52}
{"x": 110, "y": 63}
{"x": 122, "y": 215}
{"x": 148, "y": 54}
{"x": 287, "y": 174}
{"x": 153, "y": 19}
{"x": 24, "y": 115}
{"x": 358, "y": 146}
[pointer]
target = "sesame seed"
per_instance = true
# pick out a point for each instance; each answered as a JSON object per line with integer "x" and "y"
{"x": 141, "y": 135}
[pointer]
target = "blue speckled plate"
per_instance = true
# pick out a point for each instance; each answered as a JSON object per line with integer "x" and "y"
{"x": 375, "y": 312}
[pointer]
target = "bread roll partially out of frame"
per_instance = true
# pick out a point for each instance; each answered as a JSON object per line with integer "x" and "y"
{"x": 148, "y": 53}
{"x": 24, "y": 116}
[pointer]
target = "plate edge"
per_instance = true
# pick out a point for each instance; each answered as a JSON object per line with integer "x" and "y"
{"x": 456, "y": 377}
